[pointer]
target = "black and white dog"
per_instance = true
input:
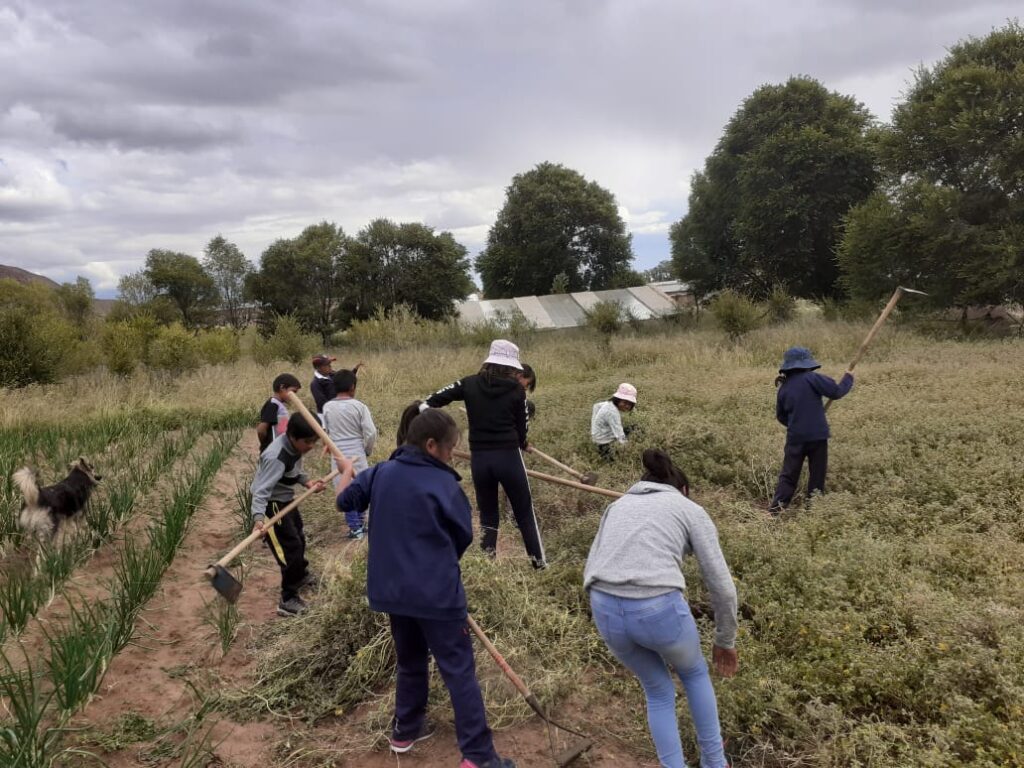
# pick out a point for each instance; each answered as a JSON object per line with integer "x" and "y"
{"x": 47, "y": 509}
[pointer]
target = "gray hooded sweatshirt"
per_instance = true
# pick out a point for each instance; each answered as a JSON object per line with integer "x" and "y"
{"x": 642, "y": 542}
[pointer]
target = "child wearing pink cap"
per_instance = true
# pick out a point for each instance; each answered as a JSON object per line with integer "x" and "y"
{"x": 606, "y": 420}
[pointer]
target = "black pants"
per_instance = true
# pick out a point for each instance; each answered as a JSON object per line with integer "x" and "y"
{"x": 287, "y": 542}
{"x": 816, "y": 453}
{"x": 449, "y": 642}
{"x": 504, "y": 467}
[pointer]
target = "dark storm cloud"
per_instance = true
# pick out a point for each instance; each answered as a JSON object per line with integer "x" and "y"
{"x": 128, "y": 125}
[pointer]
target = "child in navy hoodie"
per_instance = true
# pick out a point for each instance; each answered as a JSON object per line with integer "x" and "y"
{"x": 420, "y": 527}
{"x": 800, "y": 410}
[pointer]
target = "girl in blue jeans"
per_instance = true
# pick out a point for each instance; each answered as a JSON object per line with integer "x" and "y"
{"x": 636, "y": 595}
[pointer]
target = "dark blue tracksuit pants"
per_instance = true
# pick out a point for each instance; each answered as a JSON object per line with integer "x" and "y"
{"x": 816, "y": 453}
{"x": 505, "y": 467}
{"x": 449, "y": 643}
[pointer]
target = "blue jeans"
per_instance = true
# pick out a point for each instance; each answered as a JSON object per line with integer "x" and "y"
{"x": 646, "y": 633}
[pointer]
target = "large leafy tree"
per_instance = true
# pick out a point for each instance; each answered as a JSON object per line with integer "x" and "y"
{"x": 950, "y": 219}
{"x": 768, "y": 207}
{"x": 302, "y": 277}
{"x": 555, "y": 222}
{"x": 225, "y": 263}
{"x": 182, "y": 279}
{"x": 76, "y": 300}
{"x": 389, "y": 264}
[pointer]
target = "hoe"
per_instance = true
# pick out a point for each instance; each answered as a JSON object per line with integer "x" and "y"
{"x": 588, "y": 478}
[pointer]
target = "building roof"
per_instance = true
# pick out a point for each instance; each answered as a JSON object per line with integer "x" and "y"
{"x": 568, "y": 310}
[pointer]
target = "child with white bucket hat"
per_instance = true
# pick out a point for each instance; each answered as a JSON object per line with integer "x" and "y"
{"x": 498, "y": 422}
{"x": 606, "y": 420}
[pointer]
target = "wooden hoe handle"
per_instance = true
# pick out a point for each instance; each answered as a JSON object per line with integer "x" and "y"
{"x": 226, "y": 560}
{"x": 496, "y": 655}
{"x": 557, "y": 480}
{"x": 315, "y": 424}
{"x": 555, "y": 462}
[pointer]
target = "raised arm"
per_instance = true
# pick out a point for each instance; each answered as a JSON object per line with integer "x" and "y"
{"x": 826, "y": 387}
{"x": 446, "y": 395}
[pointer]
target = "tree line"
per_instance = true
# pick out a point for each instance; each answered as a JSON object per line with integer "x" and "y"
{"x": 806, "y": 191}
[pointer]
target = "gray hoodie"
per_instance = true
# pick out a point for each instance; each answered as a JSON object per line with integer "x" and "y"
{"x": 642, "y": 542}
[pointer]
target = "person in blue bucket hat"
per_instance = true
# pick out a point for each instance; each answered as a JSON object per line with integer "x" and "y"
{"x": 799, "y": 408}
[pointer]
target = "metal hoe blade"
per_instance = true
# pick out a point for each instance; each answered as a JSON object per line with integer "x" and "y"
{"x": 226, "y": 584}
{"x": 913, "y": 290}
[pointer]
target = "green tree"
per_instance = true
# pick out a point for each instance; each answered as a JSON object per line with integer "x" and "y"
{"x": 302, "y": 278}
{"x": 182, "y": 279}
{"x": 950, "y": 219}
{"x": 36, "y": 341}
{"x": 388, "y": 264}
{"x": 76, "y": 300}
{"x": 229, "y": 268}
{"x": 554, "y": 221}
{"x": 768, "y": 207}
{"x": 663, "y": 270}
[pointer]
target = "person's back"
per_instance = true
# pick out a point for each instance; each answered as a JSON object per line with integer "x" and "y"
{"x": 799, "y": 404}
{"x": 496, "y": 407}
{"x": 350, "y": 426}
{"x": 605, "y": 423}
{"x": 422, "y": 524}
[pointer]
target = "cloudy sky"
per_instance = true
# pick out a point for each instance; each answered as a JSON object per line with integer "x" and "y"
{"x": 127, "y": 125}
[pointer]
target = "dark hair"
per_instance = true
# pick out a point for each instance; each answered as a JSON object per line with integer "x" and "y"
{"x": 299, "y": 428}
{"x": 661, "y": 469}
{"x": 530, "y": 375}
{"x": 286, "y": 380}
{"x": 617, "y": 400}
{"x": 531, "y": 409}
{"x": 780, "y": 380}
{"x": 345, "y": 380}
{"x": 416, "y": 428}
{"x": 491, "y": 371}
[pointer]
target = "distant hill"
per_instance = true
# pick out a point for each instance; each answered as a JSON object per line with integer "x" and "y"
{"x": 24, "y": 276}
{"x": 100, "y": 306}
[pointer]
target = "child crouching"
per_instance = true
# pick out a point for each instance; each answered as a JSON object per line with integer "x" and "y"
{"x": 421, "y": 526}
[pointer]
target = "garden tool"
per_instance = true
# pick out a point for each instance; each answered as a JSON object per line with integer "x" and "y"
{"x": 588, "y": 478}
{"x": 878, "y": 324}
{"x": 218, "y": 573}
{"x": 553, "y": 479}
{"x": 569, "y": 754}
{"x": 314, "y": 422}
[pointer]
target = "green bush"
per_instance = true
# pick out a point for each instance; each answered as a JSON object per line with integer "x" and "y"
{"x": 605, "y": 317}
{"x": 780, "y": 306}
{"x": 735, "y": 313}
{"x": 175, "y": 350}
{"x": 219, "y": 345}
{"x": 35, "y": 340}
{"x": 124, "y": 346}
{"x": 288, "y": 342}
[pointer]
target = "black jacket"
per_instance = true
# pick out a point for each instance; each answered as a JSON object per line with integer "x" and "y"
{"x": 323, "y": 390}
{"x": 496, "y": 409}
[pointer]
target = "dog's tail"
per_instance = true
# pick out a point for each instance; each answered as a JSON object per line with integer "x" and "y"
{"x": 25, "y": 479}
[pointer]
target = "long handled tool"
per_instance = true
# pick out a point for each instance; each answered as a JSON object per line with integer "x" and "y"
{"x": 314, "y": 422}
{"x": 569, "y": 754}
{"x": 587, "y": 478}
{"x": 889, "y": 307}
{"x": 218, "y": 573}
{"x": 553, "y": 479}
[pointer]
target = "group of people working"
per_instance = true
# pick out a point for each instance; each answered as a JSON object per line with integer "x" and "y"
{"x": 422, "y": 525}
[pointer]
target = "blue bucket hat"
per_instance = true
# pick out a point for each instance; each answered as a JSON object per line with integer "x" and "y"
{"x": 798, "y": 359}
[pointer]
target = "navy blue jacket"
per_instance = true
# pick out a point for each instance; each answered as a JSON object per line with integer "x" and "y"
{"x": 420, "y": 524}
{"x": 798, "y": 406}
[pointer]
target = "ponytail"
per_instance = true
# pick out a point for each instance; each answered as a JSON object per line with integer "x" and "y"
{"x": 661, "y": 469}
{"x": 780, "y": 380}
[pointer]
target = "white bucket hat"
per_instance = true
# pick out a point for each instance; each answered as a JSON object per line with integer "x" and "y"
{"x": 626, "y": 392}
{"x": 504, "y": 353}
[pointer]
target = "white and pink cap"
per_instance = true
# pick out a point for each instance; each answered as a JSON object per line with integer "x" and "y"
{"x": 504, "y": 353}
{"x": 626, "y": 392}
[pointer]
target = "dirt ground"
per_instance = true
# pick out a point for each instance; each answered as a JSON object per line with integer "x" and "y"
{"x": 152, "y": 677}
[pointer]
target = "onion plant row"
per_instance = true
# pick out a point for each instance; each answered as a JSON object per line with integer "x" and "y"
{"x": 41, "y": 700}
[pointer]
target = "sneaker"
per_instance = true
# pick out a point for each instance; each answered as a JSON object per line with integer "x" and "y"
{"x": 497, "y": 762}
{"x": 356, "y": 534}
{"x": 401, "y": 746}
{"x": 539, "y": 565}
{"x": 310, "y": 581}
{"x": 296, "y": 606}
